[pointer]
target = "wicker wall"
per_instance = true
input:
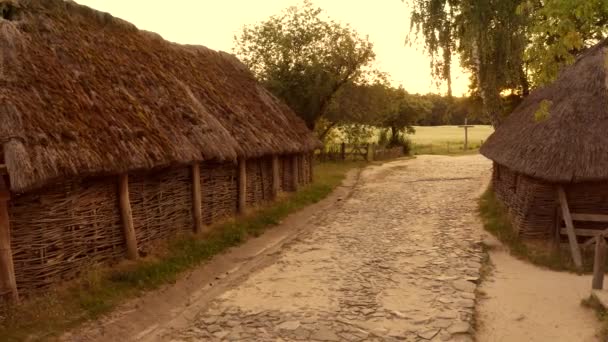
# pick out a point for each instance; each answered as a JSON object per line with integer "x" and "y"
{"x": 259, "y": 181}
{"x": 219, "y": 185}
{"x": 64, "y": 229}
{"x": 61, "y": 230}
{"x": 161, "y": 203}
{"x": 533, "y": 203}
{"x": 287, "y": 173}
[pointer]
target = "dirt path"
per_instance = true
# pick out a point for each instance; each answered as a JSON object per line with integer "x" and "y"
{"x": 523, "y": 302}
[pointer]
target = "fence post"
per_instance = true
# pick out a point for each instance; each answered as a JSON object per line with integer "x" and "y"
{"x": 242, "y": 206}
{"x": 196, "y": 198}
{"x": 8, "y": 282}
{"x": 599, "y": 263}
{"x": 343, "y": 151}
{"x": 127, "y": 217}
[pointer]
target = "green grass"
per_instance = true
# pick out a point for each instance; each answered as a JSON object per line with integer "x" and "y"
{"x": 102, "y": 290}
{"x": 602, "y": 315}
{"x": 496, "y": 220}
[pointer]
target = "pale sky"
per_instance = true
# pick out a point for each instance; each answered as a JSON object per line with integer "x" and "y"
{"x": 214, "y": 24}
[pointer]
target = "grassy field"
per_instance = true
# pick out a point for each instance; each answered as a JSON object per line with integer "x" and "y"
{"x": 448, "y": 139}
{"x": 444, "y": 134}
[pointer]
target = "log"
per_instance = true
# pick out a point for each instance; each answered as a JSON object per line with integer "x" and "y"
{"x": 599, "y": 263}
{"x": 8, "y": 282}
{"x": 295, "y": 167}
{"x": 127, "y": 217}
{"x": 242, "y": 186}
{"x": 197, "y": 213}
{"x": 276, "y": 177}
{"x": 574, "y": 248}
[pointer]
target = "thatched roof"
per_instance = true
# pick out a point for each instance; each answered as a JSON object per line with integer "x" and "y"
{"x": 83, "y": 93}
{"x": 560, "y": 133}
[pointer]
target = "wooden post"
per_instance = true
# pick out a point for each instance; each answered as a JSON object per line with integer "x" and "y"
{"x": 294, "y": 167}
{"x": 574, "y": 248}
{"x": 599, "y": 263}
{"x": 466, "y": 133}
{"x": 8, "y": 282}
{"x": 343, "y": 151}
{"x": 276, "y": 177}
{"x": 242, "y": 186}
{"x": 196, "y": 198}
{"x": 127, "y": 217}
{"x": 311, "y": 165}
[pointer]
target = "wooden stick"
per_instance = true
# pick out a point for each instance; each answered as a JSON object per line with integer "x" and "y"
{"x": 574, "y": 248}
{"x": 599, "y": 263}
{"x": 8, "y": 282}
{"x": 276, "y": 177}
{"x": 242, "y": 185}
{"x": 196, "y": 198}
{"x": 295, "y": 170}
{"x": 127, "y": 217}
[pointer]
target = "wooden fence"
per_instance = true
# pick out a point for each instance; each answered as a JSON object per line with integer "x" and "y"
{"x": 367, "y": 152}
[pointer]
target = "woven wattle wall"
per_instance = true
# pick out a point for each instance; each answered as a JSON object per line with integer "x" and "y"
{"x": 259, "y": 181}
{"x": 60, "y": 231}
{"x": 533, "y": 204}
{"x": 161, "y": 203}
{"x": 287, "y": 173}
{"x": 219, "y": 187}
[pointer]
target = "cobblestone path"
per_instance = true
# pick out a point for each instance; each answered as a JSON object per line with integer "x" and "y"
{"x": 396, "y": 261}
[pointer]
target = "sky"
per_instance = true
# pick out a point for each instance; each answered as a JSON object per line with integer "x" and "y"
{"x": 214, "y": 23}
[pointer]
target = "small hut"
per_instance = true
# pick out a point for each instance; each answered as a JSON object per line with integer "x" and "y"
{"x": 112, "y": 138}
{"x": 551, "y": 154}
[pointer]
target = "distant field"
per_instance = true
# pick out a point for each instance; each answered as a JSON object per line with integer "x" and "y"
{"x": 444, "y": 134}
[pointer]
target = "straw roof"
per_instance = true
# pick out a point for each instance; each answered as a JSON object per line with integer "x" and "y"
{"x": 84, "y": 93}
{"x": 560, "y": 133}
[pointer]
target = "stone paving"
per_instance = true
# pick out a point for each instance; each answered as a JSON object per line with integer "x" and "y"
{"x": 398, "y": 260}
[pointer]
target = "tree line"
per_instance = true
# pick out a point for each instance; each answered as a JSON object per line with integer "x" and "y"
{"x": 324, "y": 70}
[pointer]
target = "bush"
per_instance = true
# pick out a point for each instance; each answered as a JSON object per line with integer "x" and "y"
{"x": 401, "y": 140}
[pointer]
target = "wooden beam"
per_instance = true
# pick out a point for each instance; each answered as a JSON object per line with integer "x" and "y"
{"x": 585, "y": 232}
{"x": 276, "y": 177}
{"x": 590, "y": 217}
{"x": 8, "y": 282}
{"x": 599, "y": 263}
{"x": 295, "y": 170}
{"x": 197, "y": 213}
{"x": 242, "y": 207}
{"x": 574, "y": 248}
{"x": 127, "y": 217}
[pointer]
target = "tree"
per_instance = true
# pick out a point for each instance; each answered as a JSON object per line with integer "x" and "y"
{"x": 489, "y": 37}
{"x": 508, "y": 45}
{"x": 304, "y": 59}
{"x": 559, "y": 30}
{"x": 401, "y": 112}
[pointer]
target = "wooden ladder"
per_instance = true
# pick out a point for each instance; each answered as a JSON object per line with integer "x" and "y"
{"x": 594, "y": 236}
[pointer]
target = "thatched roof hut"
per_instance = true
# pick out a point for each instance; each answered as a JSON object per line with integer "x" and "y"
{"x": 556, "y": 138}
{"x": 84, "y": 93}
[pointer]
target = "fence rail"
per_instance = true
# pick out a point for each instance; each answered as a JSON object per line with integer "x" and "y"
{"x": 367, "y": 152}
